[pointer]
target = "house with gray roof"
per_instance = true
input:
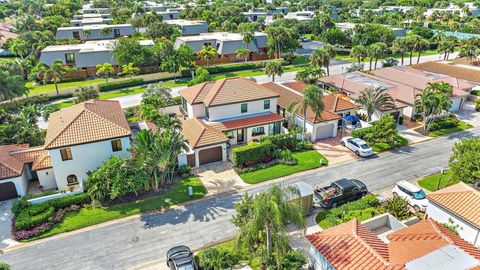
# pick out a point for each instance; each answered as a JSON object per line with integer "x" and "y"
{"x": 95, "y": 32}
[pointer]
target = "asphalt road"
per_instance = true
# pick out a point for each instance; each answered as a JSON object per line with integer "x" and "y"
{"x": 134, "y": 242}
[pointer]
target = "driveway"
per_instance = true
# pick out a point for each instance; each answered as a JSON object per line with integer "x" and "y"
{"x": 469, "y": 114}
{"x": 220, "y": 177}
{"x": 6, "y": 224}
{"x": 411, "y": 135}
{"x": 334, "y": 151}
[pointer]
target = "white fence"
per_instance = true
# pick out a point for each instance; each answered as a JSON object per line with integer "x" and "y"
{"x": 55, "y": 196}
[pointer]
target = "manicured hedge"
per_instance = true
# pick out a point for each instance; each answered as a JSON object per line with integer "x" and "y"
{"x": 34, "y": 215}
{"x": 282, "y": 141}
{"x": 444, "y": 123}
{"x": 121, "y": 84}
{"x": 69, "y": 200}
{"x": 253, "y": 152}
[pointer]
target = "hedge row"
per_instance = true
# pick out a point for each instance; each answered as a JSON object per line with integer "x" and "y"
{"x": 252, "y": 152}
{"x": 443, "y": 123}
{"x": 121, "y": 84}
{"x": 282, "y": 141}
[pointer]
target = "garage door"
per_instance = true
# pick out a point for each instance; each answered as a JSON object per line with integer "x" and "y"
{"x": 210, "y": 155}
{"x": 325, "y": 131}
{"x": 456, "y": 104}
{"x": 8, "y": 191}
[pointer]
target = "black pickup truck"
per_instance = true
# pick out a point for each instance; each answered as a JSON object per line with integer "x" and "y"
{"x": 339, "y": 192}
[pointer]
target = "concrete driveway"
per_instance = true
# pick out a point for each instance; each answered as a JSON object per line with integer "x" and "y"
{"x": 334, "y": 151}
{"x": 6, "y": 224}
{"x": 469, "y": 114}
{"x": 219, "y": 177}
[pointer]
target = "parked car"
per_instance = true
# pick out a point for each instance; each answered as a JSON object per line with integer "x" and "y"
{"x": 181, "y": 258}
{"x": 339, "y": 192}
{"x": 414, "y": 195}
{"x": 358, "y": 146}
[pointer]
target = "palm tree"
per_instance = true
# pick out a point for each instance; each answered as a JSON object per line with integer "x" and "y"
{"x": 243, "y": 53}
{"x": 332, "y": 53}
{"x": 130, "y": 69}
{"x": 400, "y": 46}
{"x": 274, "y": 68}
{"x": 320, "y": 58}
{"x": 207, "y": 53}
{"x": 247, "y": 30}
{"x": 424, "y": 104}
{"x": 372, "y": 99}
{"x": 264, "y": 223}
{"x": 11, "y": 86}
{"x": 420, "y": 45}
{"x": 312, "y": 98}
{"x": 86, "y": 33}
{"x": 469, "y": 51}
{"x": 106, "y": 31}
{"x": 19, "y": 47}
{"x": 106, "y": 69}
{"x": 55, "y": 73}
{"x": 378, "y": 50}
{"x": 359, "y": 52}
{"x": 309, "y": 75}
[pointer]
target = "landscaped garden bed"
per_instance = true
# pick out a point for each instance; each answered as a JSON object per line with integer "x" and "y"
{"x": 433, "y": 182}
{"x": 443, "y": 126}
{"x": 381, "y": 135}
{"x": 363, "y": 209}
{"x": 275, "y": 156}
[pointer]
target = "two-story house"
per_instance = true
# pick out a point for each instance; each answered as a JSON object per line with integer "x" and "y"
{"x": 79, "y": 139}
{"x": 226, "y": 112}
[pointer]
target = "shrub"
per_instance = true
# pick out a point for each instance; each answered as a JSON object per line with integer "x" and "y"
{"x": 382, "y": 131}
{"x": 26, "y": 234}
{"x": 185, "y": 170}
{"x": 475, "y": 92}
{"x": 5, "y": 266}
{"x": 215, "y": 258}
{"x": 19, "y": 205}
{"x": 443, "y": 123}
{"x": 293, "y": 260}
{"x": 67, "y": 201}
{"x": 397, "y": 207}
{"x": 282, "y": 141}
{"x": 121, "y": 84}
{"x": 33, "y": 216}
{"x": 252, "y": 152}
{"x": 477, "y": 105}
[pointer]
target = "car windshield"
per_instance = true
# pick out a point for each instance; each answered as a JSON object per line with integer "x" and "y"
{"x": 419, "y": 195}
{"x": 364, "y": 146}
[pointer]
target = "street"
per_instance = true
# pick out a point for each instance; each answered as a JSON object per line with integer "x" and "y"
{"x": 132, "y": 242}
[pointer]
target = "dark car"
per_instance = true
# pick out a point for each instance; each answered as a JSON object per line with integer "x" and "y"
{"x": 181, "y": 258}
{"x": 339, "y": 192}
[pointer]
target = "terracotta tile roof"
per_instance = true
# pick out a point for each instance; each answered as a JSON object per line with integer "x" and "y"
{"x": 43, "y": 162}
{"x": 90, "y": 121}
{"x": 247, "y": 122}
{"x": 28, "y": 155}
{"x": 296, "y": 85}
{"x": 450, "y": 69}
{"x": 9, "y": 165}
{"x": 352, "y": 246}
{"x": 419, "y": 79}
{"x": 287, "y": 96}
{"x": 460, "y": 199}
{"x": 199, "y": 134}
{"x": 226, "y": 91}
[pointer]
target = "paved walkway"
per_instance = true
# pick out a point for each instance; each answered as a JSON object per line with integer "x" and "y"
{"x": 411, "y": 135}
{"x": 220, "y": 178}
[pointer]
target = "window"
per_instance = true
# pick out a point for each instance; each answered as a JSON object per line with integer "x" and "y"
{"x": 274, "y": 128}
{"x": 184, "y": 104}
{"x": 266, "y": 104}
{"x": 76, "y": 35}
{"x": 70, "y": 58}
{"x": 229, "y": 134}
{"x": 116, "y": 33}
{"x": 116, "y": 145}
{"x": 243, "y": 107}
{"x": 256, "y": 131}
{"x": 66, "y": 154}
{"x": 72, "y": 179}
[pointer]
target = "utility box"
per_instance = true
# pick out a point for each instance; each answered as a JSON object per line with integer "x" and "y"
{"x": 306, "y": 197}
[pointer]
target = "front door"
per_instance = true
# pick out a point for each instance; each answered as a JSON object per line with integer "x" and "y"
{"x": 240, "y": 136}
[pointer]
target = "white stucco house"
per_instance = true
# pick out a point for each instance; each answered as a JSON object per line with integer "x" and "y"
{"x": 79, "y": 139}
{"x": 317, "y": 128}
{"x": 223, "y": 113}
{"x": 459, "y": 206}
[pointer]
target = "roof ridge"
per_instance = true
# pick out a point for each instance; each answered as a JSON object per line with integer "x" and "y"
{"x": 69, "y": 124}
{"x": 366, "y": 245}
{"x": 86, "y": 109}
{"x": 216, "y": 90}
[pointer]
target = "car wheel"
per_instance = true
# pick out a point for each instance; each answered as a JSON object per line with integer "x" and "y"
{"x": 334, "y": 205}
{"x": 357, "y": 153}
{"x": 395, "y": 194}
{"x": 417, "y": 208}
{"x": 363, "y": 194}
{"x": 342, "y": 143}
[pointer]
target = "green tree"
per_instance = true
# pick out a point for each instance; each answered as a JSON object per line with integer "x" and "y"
{"x": 106, "y": 69}
{"x": 105, "y": 31}
{"x": 130, "y": 69}
{"x": 19, "y": 47}
{"x": 400, "y": 46}
{"x": 247, "y": 30}
{"x": 201, "y": 76}
{"x": 84, "y": 93}
{"x": 5, "y": 266}
{"x": 129, "y": 50}
{"x": 465, "y": 161}
{"x": 378, "y": 51}
{"x": 162, "y": 30}
{"x": 55, "y": 73}
{"x": 470, "y": 52}
{"x": 218, "y": 259}
{"x": 243, "y": 54}
{"x": 359, "y": 52}
{"x": 274, "y": 68}
{"x": 309, "y": 75}
{"x": 264, "y": 231}
{"x": 207, "y": 53}
{"x": 11, "y": 86}
{"x": 157, "y": 95}
{"x": 433, "y": 101}
{"x": 372, "y": 99}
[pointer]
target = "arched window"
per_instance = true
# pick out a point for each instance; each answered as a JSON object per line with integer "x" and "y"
{"x": 72, "y": 179}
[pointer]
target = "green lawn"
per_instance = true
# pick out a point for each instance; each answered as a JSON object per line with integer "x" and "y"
{"x": 91, "y": 216}
{"x": 43, "y": 89}
{"x": 347, "y": 58}
{"x": 380, "y": 147}
{"x": 461, "y": 126}
{"x": 430, "y": 183}
{"x": 306, "y": 160}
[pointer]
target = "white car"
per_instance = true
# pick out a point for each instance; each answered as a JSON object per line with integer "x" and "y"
{"x": 414, "y": 195}
{"x": 358, "y": 146}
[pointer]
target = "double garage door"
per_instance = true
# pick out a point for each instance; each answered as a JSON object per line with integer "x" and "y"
{"x": 325, "y": 131}
{"x": 8, "y": 191}
{"x": 210, "y": 155}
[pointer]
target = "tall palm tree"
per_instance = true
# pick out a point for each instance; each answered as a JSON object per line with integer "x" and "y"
{"x": 274, "y": 68}
{"x": 420, "y": 45}
{"x": 400, "y": 46}
{"x": 372, "y": 99}
{"x": 379, "y": 50}
{"x": 309, "y": 75}
{"x": 55, "y": 73}
{"x": 243, "y": 53}
{"x": 106, "y": 69}
{"x": 19, "y": 47}
{"x": 207, "y": 53}
{"x": 424, "y": 104}
{"x": 11, "y": 86}
{"x": 312, "y": 99}
{"x": 247, "y": 30}
{"x": 320, "y": 58}
{"x": 359, "y": 52}
{"x": 130, "y": 69}
{"x": 264, "y": 228}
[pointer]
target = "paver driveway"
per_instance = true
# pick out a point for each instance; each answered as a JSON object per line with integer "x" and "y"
{"x": 334, "y": 151}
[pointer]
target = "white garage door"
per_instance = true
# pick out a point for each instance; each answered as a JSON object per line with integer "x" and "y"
{"x": 325, "y": 131}
{"x": 456, "y": 104}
